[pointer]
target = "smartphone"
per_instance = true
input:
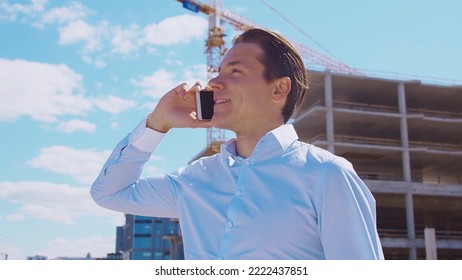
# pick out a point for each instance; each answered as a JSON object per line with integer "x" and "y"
{"x": 204, "y": 105}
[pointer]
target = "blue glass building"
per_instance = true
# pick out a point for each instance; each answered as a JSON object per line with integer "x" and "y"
{"x": 148, "y": 238}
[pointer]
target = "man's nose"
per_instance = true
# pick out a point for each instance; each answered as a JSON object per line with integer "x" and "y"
{"x": 215, "y": 83}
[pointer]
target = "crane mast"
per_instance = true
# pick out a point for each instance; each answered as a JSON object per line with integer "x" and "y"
{"x": 215, "y": 49}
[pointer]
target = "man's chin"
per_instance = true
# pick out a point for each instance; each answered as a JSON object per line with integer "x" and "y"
{"x": 218, "y": 123}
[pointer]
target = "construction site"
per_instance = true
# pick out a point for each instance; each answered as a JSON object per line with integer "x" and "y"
{"x": 403, "y": 137}
{"x": 404, "y": 140}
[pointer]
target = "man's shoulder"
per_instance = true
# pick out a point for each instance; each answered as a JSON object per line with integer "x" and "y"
{"x": 206, "y": 160}
{"x": 318, "y": 156}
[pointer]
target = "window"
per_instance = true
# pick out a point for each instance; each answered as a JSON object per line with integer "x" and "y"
{"x": 137, "y": 255}
{"x": 172, "y": 228}
{"x": 143, "y": 228}
{"x": 158, "y": 243}
{"x": 142, "y": 243}
{"x": 158, "y": 255}
{"x": 158, "y": 227}
{"x": 142, "y": 220}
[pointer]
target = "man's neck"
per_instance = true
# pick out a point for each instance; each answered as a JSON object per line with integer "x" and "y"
{"x": 247, "y": 141}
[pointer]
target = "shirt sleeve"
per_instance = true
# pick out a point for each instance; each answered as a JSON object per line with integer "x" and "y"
{"x": 347, "y": 215}
{"x": 119, "y": 186}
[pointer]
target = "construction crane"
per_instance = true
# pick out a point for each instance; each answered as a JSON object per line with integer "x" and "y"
{"x": 215, "y": 48}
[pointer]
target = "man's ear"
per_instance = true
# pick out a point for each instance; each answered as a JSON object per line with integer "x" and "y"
{"x": 282, "y": 89}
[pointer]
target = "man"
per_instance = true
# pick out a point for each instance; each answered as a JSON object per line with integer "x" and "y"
{"x": 265, "y": 195}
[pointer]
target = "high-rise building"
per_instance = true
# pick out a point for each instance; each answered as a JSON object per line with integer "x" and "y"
{"x": 404, "y": 138}
{"x": 148, "y": 238}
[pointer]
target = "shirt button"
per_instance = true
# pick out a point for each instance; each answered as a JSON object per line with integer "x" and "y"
{"x": 230, "y": 224}
{"x": 239, "y": 193}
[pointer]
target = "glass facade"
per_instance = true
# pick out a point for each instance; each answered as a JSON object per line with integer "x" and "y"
{"x": 147, "y": 238}
{"x": 142, "y": 242}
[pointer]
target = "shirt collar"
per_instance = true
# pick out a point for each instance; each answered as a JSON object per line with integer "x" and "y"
{"x": 273, "y": 143}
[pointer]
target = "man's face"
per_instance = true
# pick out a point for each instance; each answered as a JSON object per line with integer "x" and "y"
{"x": 242, "y": 95}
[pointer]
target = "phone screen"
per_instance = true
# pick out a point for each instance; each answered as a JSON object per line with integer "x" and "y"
{"x": 204, "y": 101}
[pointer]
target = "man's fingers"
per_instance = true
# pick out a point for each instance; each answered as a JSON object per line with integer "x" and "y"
{"x": 180, "y": 89}
{"x": 195, "y": 88}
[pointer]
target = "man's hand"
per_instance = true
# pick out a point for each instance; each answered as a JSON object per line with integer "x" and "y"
{"x": 176, "y": 109}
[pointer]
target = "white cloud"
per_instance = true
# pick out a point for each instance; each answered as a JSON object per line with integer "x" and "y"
{"x": 61, "y": 15}
{"x": 126, "y": 40}
{"x": 195, "y": 73}
{"x": 122, "y": 39}
{"x": 76, "y": 125}
{"x": 177, "y": 29}
{"x": 174, "y": 62}
{"x": 97, "y": 62}
{"x": 156, "y": 84}
{"x": 12, "y": 11}
{"x": 60, "y": 203}
{"x": 81, "y": 32}
{"x": 75, "y": 28}
{"x": 161, "y": 81}
{"x": 82, "y": 164}
{"x": 170, "y": 31}
{"x": 114, "y": 104}
{"x": 50, "y": 91}
{"x": 14, "y": 217}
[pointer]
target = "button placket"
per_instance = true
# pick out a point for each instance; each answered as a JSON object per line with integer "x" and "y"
{"x": 234, "y": 208}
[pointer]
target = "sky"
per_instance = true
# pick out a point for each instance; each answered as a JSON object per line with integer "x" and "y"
{"x": 78, "y": 76}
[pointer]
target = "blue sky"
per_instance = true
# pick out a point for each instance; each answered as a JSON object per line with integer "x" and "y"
{"x": 77, "y": 76}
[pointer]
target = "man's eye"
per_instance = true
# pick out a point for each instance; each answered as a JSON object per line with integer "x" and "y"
{"x": 235, "y": 71}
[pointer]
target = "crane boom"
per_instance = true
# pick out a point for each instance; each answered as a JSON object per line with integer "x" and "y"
{"x": 241, "y": 23}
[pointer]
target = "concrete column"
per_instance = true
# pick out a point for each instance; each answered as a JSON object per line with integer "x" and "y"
{"x": 330, "y": 111}
{"x": 407, "y": 171}
{"x": 430, "y": 243}
{"x": 404, "y": 132}
{"x": 410, "y": 225}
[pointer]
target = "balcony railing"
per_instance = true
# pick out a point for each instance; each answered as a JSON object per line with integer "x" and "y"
{"x": 363, "y": 140}
{"x": 359, "y": 106}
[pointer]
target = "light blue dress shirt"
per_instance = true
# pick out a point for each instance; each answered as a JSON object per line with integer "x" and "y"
{"x": 288, "y": 200}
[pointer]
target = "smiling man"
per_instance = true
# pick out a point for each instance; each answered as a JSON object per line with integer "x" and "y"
{"x": 266, "y": 195}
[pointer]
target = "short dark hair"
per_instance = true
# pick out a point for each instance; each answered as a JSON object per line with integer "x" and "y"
{"x": 280, "y": 59}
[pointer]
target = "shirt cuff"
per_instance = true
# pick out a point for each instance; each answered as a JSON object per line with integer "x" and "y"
{"x": 145, "y": 138}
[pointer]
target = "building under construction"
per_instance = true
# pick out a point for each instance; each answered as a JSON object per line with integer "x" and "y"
{"x": 404, "y": 139}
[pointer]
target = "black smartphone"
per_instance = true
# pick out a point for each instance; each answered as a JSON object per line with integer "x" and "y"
{"x": 204, "y": 105}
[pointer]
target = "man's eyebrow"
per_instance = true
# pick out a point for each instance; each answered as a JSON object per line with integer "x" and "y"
{"x": 232, "y": 63}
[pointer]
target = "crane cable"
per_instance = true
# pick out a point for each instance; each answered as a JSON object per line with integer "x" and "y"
{"x": 299, "y": 29}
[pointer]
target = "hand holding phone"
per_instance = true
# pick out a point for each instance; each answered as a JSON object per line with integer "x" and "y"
{"x": 204, "y": 105}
